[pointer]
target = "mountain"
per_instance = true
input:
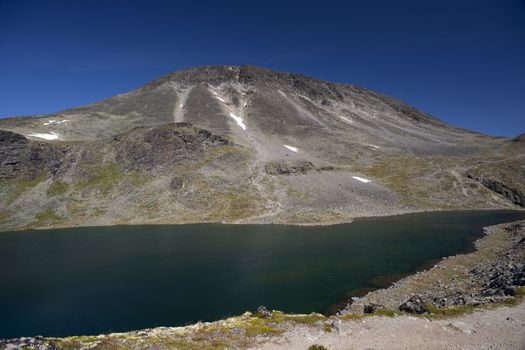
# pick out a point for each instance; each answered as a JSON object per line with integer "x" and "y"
{"x": 246, "y": 144}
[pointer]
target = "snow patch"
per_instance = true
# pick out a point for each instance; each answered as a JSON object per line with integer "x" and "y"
{"x": 361, "y": 179}
{"x": 374, "y": 146}
{"x": 51, "y": 136}
{"x": 217, "y": 96}
{"x": 292, "y": 148}
{"x": 305, "y": 97}
{"x": 181, "y": 105}
{"x": 346, "y": 119}
{"x": 238, "y": 120}
{"x": 52, "y": 121}
{"x": 282, "y": 93}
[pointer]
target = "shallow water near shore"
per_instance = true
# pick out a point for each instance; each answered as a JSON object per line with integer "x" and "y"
{"x": 107, "y": 279}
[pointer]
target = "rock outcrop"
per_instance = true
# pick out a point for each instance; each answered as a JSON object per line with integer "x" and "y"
{"x": 414, "y": 305}
{"x": 289, "y": 167}
{"x": 155, "y": 147}
{"x": 509, "y": 191}
{"x": 22, "y": 158}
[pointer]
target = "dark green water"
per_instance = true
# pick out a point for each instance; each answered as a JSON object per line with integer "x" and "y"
{"x": 93, "y": 280}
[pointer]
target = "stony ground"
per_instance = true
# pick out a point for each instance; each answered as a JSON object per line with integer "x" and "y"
{"x": 490, "y": 274}
{"x": 499, "y": 328}
{"x": 470, "y": 301}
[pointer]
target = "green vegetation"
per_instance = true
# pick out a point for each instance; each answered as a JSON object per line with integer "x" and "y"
{"x": 317, "y": 347}
{"x": 309, "y": 320}
{"x": 98, "y": 212}
{"x": 105, "y": 178}
{"x": 58, "y": 188}
{"x": 241, "y": 205}
{"x": 259, "y": 326}
{"x": 327, "y": 328}
{"x": 3, "y": 217}
{"x": 518, "y": 297}
{"x": 46, "y": 217}
{"x": 75, "y": 208}
{"x": 449, "y": 311}
{"x": 25, "y": 184}
{"x": 352, "y": 316}
{"x": 22, "y": 185}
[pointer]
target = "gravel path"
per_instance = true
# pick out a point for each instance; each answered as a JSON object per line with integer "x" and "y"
{"x": 498, "y": 328}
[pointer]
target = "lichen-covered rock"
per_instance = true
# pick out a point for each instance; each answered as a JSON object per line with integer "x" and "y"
{"x": 372, "y": 308}
{"x": 156, "y": 147}
{"x": 283, "y": 167}
{"x": 414, "y": 305}
{"x": 22, "y": 158}
{"x": 263, "y": 312}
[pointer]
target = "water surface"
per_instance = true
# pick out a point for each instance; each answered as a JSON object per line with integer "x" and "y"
{"x": 107, "y": 279}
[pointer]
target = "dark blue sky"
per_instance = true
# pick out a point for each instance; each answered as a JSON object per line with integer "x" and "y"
{"x": 462, "y": 61}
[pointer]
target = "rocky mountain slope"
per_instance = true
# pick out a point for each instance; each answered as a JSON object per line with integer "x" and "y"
{"x": 246, "y": 144}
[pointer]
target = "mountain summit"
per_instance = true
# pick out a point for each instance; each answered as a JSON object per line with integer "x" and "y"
{"x": 246, "y": 144}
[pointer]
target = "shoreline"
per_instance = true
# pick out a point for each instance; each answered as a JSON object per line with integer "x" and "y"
{"x": 453, "y": 277}
{"x": 316, "y": 224}
{"x": 493, "y": 250}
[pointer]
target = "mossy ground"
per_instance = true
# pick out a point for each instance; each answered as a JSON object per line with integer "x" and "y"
{"x": 19, "y": 186}
{"x": 46, "y": 217}
{"x": 104, "y": 177}
{"x": 4, "y": 217}
{"x": 317, "y": 347}
{"x": 236, "y": 332}
{"x": 57, "y": 188}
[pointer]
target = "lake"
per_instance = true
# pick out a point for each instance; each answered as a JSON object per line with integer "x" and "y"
{"x": 95, "y": 280}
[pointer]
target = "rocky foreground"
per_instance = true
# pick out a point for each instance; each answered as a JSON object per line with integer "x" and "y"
{"x": 469, "y": 301}
{"x": 491, "y": 274}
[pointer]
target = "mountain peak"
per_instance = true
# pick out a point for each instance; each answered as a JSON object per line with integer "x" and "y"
{"x": 245, "y": 74}
{"x": 245, "y": 144}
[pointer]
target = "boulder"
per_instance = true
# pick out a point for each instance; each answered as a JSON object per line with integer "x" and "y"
{"x": 289, "y": 167}
{"x": 414, "y": 305}
{"x": 263, "y": 312}
{"x": 372, "y": 308}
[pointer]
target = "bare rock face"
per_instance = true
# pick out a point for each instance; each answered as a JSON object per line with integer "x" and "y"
{"x": 21, "y": 158}
{"x": 513, "y": 194}
{"x": 509, "y": 189}
{"x": 147, "y": 148}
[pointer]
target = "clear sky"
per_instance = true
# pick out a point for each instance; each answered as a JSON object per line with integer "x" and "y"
{"x": 461, "y": 61}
